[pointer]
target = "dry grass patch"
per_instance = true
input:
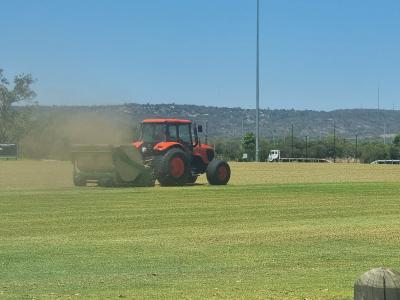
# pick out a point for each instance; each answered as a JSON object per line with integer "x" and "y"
{"x": 27, "y": 174}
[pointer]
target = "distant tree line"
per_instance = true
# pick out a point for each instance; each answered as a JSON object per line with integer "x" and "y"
{"x": 50, "y": 135}
{"x": 328, "y": 147}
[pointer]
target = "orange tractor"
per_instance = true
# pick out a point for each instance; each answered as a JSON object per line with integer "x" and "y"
{"x": 169, "y": 150}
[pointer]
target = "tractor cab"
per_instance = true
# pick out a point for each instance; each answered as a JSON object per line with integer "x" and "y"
{"x": 155, "y": 131}
{"x": 161, "y": 134}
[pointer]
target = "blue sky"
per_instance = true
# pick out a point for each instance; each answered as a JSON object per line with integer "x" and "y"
{"x": 315, "y": 54}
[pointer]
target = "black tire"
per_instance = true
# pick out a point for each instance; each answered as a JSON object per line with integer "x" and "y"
{"x": 166, "y": 174}
{"x": 79, "y": 180}
{"x": 218, "y": 172}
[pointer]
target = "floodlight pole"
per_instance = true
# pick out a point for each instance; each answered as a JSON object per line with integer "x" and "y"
{"x": 206, "y": 135}
{"x": 292, "y": 141}
{"x": 258, "y": 85}
{"x": 334, "y": 141}
{"x": 356, "y": 147}
{"x": 306, "y": 146}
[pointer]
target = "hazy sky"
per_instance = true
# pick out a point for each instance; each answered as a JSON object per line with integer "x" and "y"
{"x": 315, "y": 54}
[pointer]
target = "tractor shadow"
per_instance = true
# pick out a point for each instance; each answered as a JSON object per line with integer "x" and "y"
{"x": 175, "y": 186}
{"x": 195, "y": 184}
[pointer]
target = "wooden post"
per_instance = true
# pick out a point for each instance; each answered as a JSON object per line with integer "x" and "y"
{"x": 378, "y": 284}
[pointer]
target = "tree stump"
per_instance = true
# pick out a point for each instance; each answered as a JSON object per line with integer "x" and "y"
{"x": 378, "y": 284}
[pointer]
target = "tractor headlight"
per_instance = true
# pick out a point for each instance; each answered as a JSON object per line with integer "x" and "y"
{"x": 144, "y": 149}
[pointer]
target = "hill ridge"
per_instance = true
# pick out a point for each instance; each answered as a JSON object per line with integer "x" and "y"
{"x": 274, "y": 123}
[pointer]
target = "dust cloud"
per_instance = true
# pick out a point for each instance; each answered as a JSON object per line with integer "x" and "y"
{"x": 95, "y": 130}
{"x": 52, "y": 136}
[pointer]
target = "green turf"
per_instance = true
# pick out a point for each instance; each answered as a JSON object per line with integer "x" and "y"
{"x": 286, "y": 241}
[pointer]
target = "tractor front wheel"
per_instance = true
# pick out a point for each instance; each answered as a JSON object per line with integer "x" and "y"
{"x": 218, "y": 172}
{"x": 172, "y": 169}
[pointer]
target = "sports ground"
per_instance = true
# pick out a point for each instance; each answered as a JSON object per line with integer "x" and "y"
{"x": 277, "y": 231}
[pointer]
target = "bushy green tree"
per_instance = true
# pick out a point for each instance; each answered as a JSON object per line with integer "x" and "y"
{"x": 396, "y": 140}
{"x": 13, "y": 122}
{"x": 265, "y": 147}
{"x": 394, "y": 152}
{"x": 228, "y": 149}
{"x": 374, "y": 151}
{"x": 249, "y": 145}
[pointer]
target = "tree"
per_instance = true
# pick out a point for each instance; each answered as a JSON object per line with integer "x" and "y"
{"x": 249, "y": 145}
{"x": 13, "y": 121}
{"x": 265, "y": 147}
{"x": 394, "y": 151}
{"x": 229, "y": 149}
{"x": 374, "y": 151}
{"x": 396, "y": 140}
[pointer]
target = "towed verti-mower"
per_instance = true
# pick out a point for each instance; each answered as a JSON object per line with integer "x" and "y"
{"x": 169, "y": 151}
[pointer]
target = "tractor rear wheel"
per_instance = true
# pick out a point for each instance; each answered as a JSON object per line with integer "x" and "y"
{"x": 218, "y": 172}
{"x": 172, "y": 169}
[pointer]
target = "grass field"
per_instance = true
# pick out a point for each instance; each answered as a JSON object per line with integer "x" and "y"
{"x": 290, "y": 231}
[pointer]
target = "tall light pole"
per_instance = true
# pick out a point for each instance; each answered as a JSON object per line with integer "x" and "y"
{"x": 258, "y": 85}
{"x": 356, "y": 148}
{"x": 334, "y": 141}
{"x": 306, "y": 146}
{"x": 379, "y": 117}
{"x": 292, "y": 141}
{"x": 379, "y": 99}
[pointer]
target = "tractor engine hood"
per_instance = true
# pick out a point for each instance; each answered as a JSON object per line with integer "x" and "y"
{"x": 147, "y": 148}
